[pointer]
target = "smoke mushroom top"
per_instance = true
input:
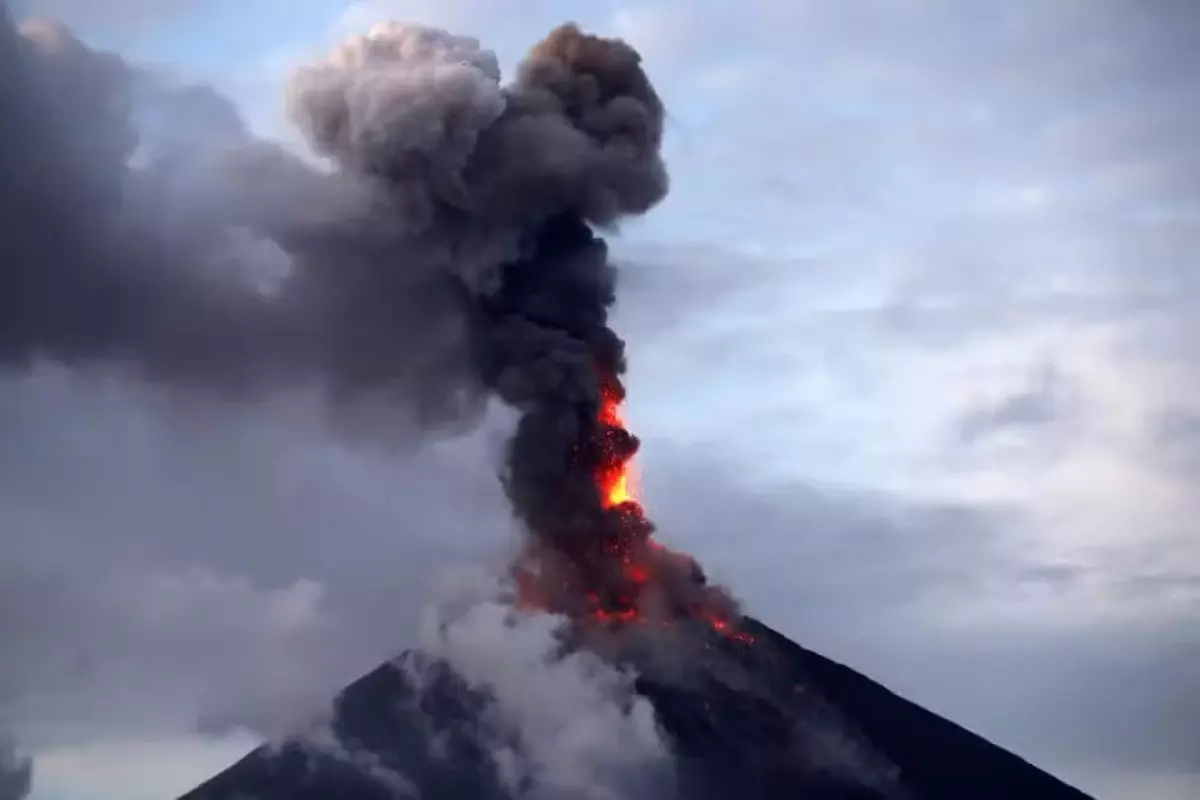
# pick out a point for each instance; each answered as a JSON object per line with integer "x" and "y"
{"x": 449, "y": 254}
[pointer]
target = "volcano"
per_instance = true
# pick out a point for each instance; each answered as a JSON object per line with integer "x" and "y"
{"x": 764, "y": 720}
{"x": 449, "y": 252}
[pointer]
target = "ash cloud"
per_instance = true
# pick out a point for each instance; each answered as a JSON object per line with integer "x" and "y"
{"x": 446, "y": 254}
{"x": 445, "y": 251}
{"x": 117, "y": 247}
{"x": 82, "y": 279}
{"x": 16, "y": 772}
{"x": 504, "y": 186}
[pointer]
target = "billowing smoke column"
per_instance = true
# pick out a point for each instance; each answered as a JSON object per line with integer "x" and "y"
{"x": 507, "y": 180}
{"x": 449, "y": 254}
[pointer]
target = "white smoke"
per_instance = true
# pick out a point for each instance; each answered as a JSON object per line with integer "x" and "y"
{"x": 581, "y": 729}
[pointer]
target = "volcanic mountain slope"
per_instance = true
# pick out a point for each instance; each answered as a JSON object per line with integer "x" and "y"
{"x": 753, "y": 716}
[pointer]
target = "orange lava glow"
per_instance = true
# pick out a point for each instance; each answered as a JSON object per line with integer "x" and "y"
{"x": 618, "y": 491}
{"x": 615, "y": 484}
{"x": 616, "y": 487}
{"x": 725, "y": 628}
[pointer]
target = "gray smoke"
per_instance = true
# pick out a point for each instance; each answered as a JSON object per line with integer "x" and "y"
{"x": 478, "y": 167}
{"x": 448, "y": 253}
{"x": 83, "y": 277}
{"x": 502, "y": 186}
{"x": 16, "y": 772}
{"x": 117, "y": 249}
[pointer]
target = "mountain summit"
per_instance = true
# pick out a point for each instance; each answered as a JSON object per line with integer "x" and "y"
{"x": 753, "y": 716}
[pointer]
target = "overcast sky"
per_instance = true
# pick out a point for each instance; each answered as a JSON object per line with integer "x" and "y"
{"x": 912, "y": 355}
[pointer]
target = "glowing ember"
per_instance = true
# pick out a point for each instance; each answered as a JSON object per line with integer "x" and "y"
{"x": 618, "y": 492}
{"x": 614, "y": 481}
{"x": 640, "y": 591}
{"x": 638, "y": 560}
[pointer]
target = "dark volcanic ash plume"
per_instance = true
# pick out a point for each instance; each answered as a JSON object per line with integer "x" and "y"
{"x": 507, "y": 180}
{"x": 79, "y": 279}
{"x": 449, "y": 254}
{"x": 110, "y": 254}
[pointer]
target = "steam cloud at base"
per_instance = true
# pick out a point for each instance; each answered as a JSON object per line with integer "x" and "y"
{"x": 450, "y": 255}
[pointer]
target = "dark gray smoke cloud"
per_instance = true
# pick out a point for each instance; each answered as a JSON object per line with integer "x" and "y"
{"x": 82, "y": 279}
{"x": 113, "y": 254}
{"x": 448, "y": 254}
{"x": 503, "y": 185}
{"x": 85, "y": 276}
{"x": 16, "y": 772}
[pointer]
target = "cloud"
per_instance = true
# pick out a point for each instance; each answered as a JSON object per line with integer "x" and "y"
{"x": 106, "y": 12}
{"x": 136, "y": 769}
{"x": 16, "y": 773}
{"x": 167, "y": 569}
{"x": 596, "y": 740}
{"x": 358, "y": 17}
{"x": 1012, "y": 202}
{"x": 506, "y": 28}
{"x": 1045, "y": 402}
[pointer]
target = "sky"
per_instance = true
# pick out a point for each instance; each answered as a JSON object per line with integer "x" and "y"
{"x": 911, "y": 354}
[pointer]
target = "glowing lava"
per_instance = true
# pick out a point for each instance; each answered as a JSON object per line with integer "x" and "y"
{"x": 628, "y": 578}
{"x": 615, "y": 480}
{"x": 640, "y": 560}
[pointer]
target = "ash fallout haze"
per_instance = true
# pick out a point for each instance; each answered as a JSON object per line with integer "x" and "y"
{"x": 316, "y": 332}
